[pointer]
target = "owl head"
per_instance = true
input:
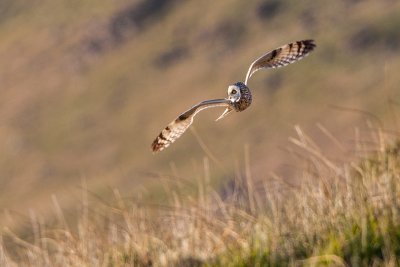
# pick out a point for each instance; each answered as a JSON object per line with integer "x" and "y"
{"x": 240, "y": 96}
{"x": 234, "y": 93}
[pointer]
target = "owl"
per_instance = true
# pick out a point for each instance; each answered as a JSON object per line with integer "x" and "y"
{"x": 239, "y": 95}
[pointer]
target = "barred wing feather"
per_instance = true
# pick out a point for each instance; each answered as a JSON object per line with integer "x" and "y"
{"x": 281, "y": 56}
{"x": 177, "y": 127}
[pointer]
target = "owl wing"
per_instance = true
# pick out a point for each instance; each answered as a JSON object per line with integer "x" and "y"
{"x": 281, "y": 56}
{"x": 177, "y": 127}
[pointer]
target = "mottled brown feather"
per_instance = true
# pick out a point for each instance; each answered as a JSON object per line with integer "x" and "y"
{"x": 281, "y": 56}
{"x": 178, "y": 126}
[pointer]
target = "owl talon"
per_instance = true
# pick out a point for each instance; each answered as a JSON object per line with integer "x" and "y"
{"x": 225, "y": 113}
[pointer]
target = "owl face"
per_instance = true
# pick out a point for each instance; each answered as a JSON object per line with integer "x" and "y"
{"x": 234, "y": 93}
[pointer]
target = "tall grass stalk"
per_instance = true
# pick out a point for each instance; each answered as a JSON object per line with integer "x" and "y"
{"x": 333, "y": 214}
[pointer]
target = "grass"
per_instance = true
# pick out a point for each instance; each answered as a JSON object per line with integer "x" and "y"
{"x": 334, "y": 215}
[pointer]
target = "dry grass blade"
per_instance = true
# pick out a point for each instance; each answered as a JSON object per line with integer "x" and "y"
{"x": 319, "y": 221}
{"x": 302, "y": 143}
{"x": 331, "y": 260}
{"x": 206, "y": 149}
{"x": 331, "y": 137}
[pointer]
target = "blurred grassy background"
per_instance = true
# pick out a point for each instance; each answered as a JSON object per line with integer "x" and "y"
{"x": 87, "y": 86}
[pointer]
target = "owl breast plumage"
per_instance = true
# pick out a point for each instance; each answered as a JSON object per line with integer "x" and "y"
{"x": 245, "y": 97}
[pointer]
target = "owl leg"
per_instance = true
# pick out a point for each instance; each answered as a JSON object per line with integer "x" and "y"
{"x": 225, "y": 113}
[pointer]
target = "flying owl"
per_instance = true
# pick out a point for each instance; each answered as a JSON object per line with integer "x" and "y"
{"x": 239, "y": 96}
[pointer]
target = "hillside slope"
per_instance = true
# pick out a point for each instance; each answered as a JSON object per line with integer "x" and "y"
{"x": 88, "y": 86}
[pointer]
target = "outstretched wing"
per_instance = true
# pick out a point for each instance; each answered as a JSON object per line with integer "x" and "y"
{"x": 177, "y": 127}
{"x": 281, "y": 56}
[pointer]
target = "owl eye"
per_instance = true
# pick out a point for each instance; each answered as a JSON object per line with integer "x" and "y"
{"x": 234, "y": 91}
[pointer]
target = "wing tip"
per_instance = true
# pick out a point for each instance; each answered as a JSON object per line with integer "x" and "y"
{"x": 310, "y": 44}
{"x": 157, "y": 146}
{"x": 154, "y": 147}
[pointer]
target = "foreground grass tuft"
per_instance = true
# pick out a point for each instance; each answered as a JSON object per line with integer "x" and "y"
{"x": 337, "y": 215}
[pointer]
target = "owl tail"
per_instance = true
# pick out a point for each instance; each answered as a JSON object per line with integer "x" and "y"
{"x": 225, "y": 113}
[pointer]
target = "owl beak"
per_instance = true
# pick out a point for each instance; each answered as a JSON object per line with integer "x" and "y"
{"x": 225, "y": 113}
